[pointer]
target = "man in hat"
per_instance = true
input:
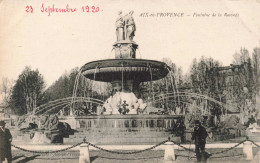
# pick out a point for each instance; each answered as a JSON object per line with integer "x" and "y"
{"x": 5, "y": 143}
{"x": 199, "y": 135}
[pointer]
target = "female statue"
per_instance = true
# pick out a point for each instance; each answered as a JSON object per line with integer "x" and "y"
{"x": 120, "y": 27}
{"x": 130, "y": 26}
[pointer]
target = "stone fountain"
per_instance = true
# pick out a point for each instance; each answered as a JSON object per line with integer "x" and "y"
{"x": 123, "y": 121}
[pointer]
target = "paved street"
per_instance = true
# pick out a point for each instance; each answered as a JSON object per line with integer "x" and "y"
{"x": 155, "y": 156}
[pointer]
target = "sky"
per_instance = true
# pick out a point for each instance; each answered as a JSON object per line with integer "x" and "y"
{"x": 62, "y": 41}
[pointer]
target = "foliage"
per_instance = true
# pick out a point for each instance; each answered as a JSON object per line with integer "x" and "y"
{"x": 256, "y": 69}
{"x": 6, "y": 90}
{"x": 65, "y": 85}
{"x": 27, "y": 92}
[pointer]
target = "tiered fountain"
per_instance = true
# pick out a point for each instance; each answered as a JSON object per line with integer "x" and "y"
{"x": 126, "y": 118}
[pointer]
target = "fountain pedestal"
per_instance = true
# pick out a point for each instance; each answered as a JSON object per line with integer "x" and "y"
{"x": 125, "y": 49}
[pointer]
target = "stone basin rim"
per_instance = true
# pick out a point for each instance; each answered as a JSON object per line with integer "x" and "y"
{"x": 109, "y": 70}
{"x": 124, "y": 60}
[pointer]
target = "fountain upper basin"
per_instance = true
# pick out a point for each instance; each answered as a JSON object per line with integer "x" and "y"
{"x": 110, "y": 70}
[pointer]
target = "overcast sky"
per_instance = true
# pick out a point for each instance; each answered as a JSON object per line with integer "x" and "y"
{"x": 62, "y": 41}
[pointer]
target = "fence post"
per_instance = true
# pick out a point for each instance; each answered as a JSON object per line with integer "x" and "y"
{"x": 84, "y": 152}
{"x": 169, "y": 154}
{"x": 247, "y": 150}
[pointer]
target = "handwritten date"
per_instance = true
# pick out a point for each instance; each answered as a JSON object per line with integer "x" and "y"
{"x": 67, "y": 9}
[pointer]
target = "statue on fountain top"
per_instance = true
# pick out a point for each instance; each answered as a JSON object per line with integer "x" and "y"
{"x": 120, "y": 27}
{"x": 125, "y": 47}
{"x": 130, "y": 26}
{"x": 125, "y": 26}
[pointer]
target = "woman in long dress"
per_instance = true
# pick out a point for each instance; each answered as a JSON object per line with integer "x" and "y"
{"x": 120, "y": 27}
{"x": 130, "y": 26}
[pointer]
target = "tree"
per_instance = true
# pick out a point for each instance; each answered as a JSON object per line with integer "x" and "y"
{"x": 27, "y": 92}
{"x": 242, "y": 57}
{"x": 80, "y": 85}
{"x": 6, "y": 90}
{"x": 201, "y": 79}
{"x": 64, "y": 86}
{"x": 256, "y": 68}
{"x": 203, "y": 75}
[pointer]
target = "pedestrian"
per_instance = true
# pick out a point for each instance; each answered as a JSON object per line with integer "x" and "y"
{"x": 5, "y": 143}
{"x": 180, "y": 129}
{"x": 199, "y": 135}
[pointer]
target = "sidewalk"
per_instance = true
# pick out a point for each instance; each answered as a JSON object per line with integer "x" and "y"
{"x": 155, "y": 156}
{"x": 152, "y": 155}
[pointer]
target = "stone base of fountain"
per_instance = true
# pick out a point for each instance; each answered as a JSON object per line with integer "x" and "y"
{"x": 123, "y": 129}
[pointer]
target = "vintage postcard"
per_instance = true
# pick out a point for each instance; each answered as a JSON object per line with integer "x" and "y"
{"x": 129, "y": 81}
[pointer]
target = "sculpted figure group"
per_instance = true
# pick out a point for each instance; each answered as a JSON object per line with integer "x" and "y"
{"x": 125, "y": 26}
{"x": 124, "y": 103}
